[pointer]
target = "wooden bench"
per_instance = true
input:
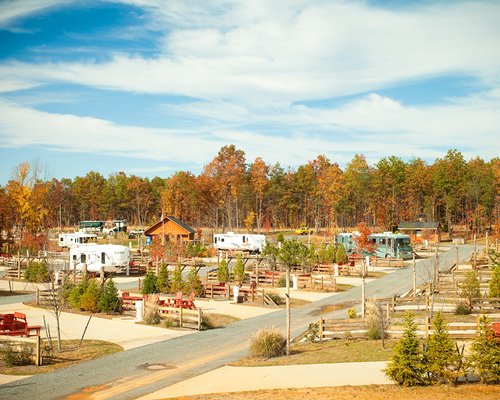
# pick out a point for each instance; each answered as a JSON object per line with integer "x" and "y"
{"x": 16, "y": 324}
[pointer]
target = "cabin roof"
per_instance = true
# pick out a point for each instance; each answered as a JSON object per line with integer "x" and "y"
{"x": 409, "y": 225}
{"x": 174, "y": 220}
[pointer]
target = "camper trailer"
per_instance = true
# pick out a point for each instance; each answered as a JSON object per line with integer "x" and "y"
{"x": 392, "y": 245}
{"x": 114, "y": 258}
{"x": 68, "y": 240}
{"x": 240, "y": 241}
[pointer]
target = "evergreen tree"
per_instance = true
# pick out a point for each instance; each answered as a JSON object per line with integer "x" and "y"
{"x": 340, "y": 254}
{"x": 441, "y": 358}
{"x": 485, "y": 353}
{"x": 239, "y": 270}
{"x": 271, "y": 254}
{"x": 149, "y": 285}
{"x": 162, "y": 283}
{"x": 90, "y": 298}
{"x": 223, "y": 271}
{"x": 177, "y": 284}
{"x": 193, "y": 283}
{"x": 470, "y": 287}
{"x": 406, "y": 367}
{"x": 76, "y": 294}
{"x": 330, "y": 253}
{"x": 495, "y": 282}
{"x": 109, "y": 300}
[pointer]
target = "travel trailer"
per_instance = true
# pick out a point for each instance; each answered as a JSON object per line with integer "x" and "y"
{"x": 67, "y": 240}
{"x": 240, "y": 241}
{"x": 114, "y": 258}
{"x": 106, "y": 227}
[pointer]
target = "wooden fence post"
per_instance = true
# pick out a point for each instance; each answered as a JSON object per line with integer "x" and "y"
{"x": 37, "y": 301}
{"x": 263, "y": 296}
{"x": 321, "y": 329}
{"x": 334, "y": 284}
{"x": 199, "y": 318}
{"x": 393, "y": 304}
{"x": 427, "y": 324}
{"x": 387, "y": 312}
{"x": 427, "y": 303}
{"x": 38, "y": 353}
{"x": 322, "y": 288}
{"x": 180, "y": 317}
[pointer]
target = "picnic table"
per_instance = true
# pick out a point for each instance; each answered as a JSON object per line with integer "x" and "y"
{"x": 16, "y": 324}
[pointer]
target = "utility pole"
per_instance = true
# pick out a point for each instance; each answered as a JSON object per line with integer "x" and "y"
{"x": 414, "y": 278}
{"x": 287, "y": 306}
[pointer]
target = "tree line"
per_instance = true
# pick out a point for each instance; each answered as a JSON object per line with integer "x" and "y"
{"x": 231, "y": 193}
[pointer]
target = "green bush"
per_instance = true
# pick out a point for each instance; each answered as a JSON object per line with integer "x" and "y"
{"x": 267, "y": 343}
{"x": 340, "y": 254}
{"x": 312, "y": 332}
{"x": 239, "y": 270}
{"x": 16, "y": 357}
{"x": 170, "y": 322}
{"x": 276, "y": 298}
{"x": 462, "y": 309}
{"x": 373, "y": 333}
{"x": 281, "y": 281}
{"x": 89, "y": 300}
{"x": 65, "y": 291}
{"x": 109, "y": 301}
{"x": 352, "y": 313}
{"x": 37, "y": 272}
{"x": 485, "y": 353}
{"x": 149, "y": 285}
{"x": 494, "y": 286}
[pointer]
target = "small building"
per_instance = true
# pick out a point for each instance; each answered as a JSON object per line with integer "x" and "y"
{"x": 170, "y": 229}
{"x": 420, "y": 231}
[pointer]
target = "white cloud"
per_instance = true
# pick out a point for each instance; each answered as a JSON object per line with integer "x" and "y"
{"x": 269, "y": 52}
{"x": 12, "y": 10}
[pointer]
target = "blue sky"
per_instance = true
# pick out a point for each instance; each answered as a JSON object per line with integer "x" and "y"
{"x": 150, "y": 87}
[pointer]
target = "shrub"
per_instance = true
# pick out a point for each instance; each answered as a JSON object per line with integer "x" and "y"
{"x": 149, "y": 285}
{"x": 373, "y": 333}
{"x": 352, "y": 313}
{"x": 267, "y": 343}
{"x": 170, "y": 322}
{"x": 37, "y": 272}
{"x": 470, "y": 287}
{"x": 193, "y": 283}
{"x": 109, "y": 300}
{"x": 152, "y": 316}
{"x": 276, "y": 298}
{"x": 406, "y": 367}
{"x": 462, "y": 309}
{"x": 281, "y": 281}
{"x": 494, "y": 287}
{"x": 162, "y": 283}
{"x": 65, "y": 291}
{"x": 223, "y": 271}
{"x": 374, "y": 320}
{"x": 14, "y": 357}
{"x": 177, "y": 284}
{"x": 90, "y": 298}
{"x": 312, "y": 332}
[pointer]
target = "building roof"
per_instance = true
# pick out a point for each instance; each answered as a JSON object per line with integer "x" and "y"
{"x": 174, "y": 220}
{"x": 418, "y": 225}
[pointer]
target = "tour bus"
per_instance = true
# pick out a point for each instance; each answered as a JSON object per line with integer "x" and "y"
{"x": 240, "y": 241}
{"x": 114, "y": 258}
{"x": 392, "y": 245}
{"x": 76, "y": 239}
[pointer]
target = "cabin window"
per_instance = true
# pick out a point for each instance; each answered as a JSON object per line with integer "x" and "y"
{"x": 61, "y": 239}
{"x": 74, "y": 257}
{"x": 244, "y": 239}
{"x": 103, "y": 257}
{"x": 83, "y": 258}
{"x": 382, "y": 241}
{"x": 221, "y": 239}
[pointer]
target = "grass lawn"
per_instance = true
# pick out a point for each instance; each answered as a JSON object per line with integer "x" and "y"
{"x": 332, "y": 351}
{"x": 70, "y": 354}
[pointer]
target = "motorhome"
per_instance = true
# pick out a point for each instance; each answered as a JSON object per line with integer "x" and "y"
{"x": 392, "y": 245}
{"x": 67, "y": 240}
{"x": 347, "y": 239}
{"x": 106, "y": 227}
{"x": 114, "y": 258}
{"x": 240, "y": 241}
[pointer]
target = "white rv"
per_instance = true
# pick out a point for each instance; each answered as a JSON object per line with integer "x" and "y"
{"x": 76, "y": 239}
{"x": 240, "y": 241}
{"x": 114, "y": 258}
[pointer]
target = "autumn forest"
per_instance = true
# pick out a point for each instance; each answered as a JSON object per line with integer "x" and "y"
{"x": 232, "y": 192}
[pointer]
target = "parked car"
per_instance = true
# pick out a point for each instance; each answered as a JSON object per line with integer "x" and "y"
{"x": 303, "y": 231}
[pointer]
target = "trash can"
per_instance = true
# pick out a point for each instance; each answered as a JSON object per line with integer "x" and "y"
{"x": 138, "y": 310}
{"x": 236, "y": 293}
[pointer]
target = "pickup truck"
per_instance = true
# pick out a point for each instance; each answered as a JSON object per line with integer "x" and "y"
{"x": 303, "y": 231}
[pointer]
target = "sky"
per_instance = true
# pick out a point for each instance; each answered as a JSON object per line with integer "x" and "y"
{"x": 152, "y": 87}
